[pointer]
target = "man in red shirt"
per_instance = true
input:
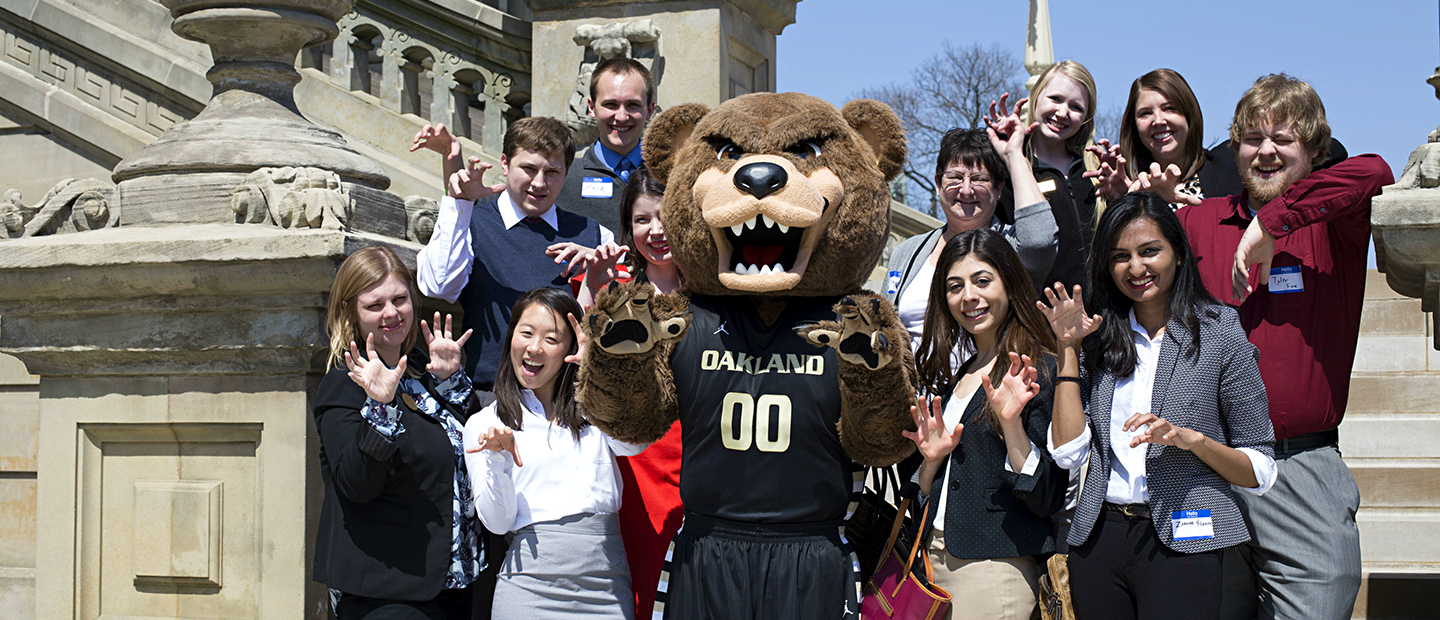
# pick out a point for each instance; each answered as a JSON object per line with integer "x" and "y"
{"x": 1306, "y": 236}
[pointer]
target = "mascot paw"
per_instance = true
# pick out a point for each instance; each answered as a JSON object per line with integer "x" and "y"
{"x": 622, "y": 322}
{"x": 858, "y": 335}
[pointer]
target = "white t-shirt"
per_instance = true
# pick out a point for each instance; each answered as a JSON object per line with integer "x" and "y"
{"x": 560, "y": 476}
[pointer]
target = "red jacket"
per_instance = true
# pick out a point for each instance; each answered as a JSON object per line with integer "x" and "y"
{"x": 1307, "y": 337}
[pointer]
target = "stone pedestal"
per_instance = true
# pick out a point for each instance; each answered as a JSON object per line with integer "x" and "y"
{"x": 701, "y": 51}
{"x": 177, "y": 459}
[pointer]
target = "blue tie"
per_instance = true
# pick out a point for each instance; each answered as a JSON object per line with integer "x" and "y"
{"x": 624, "y": 169}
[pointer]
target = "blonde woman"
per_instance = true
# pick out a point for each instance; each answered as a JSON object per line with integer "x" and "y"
{"x": 397, "y": 535}
{"x": 1062, "y": 110}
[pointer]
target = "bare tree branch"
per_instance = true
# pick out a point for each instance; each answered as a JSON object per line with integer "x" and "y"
{"x": 951, "y": 89}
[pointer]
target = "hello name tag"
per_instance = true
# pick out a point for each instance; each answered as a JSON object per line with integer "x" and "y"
{"x": 596, "y": 187}
{"x": 1286, "y": 280}
{"x": 1047, "y": 186}
{"x": 1191, "y": 525}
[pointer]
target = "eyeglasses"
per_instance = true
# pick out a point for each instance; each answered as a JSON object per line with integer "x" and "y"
{"x": 977, "y": 181}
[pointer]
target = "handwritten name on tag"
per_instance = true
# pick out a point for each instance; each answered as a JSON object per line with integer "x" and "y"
{"x": 1286, "y": 280}
{"x": 1191, "y": 525}
{"x": 596, "y": 187}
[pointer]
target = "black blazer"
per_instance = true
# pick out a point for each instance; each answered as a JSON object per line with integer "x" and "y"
{"x": 989, "y": 512}
{"x": 1216, "y": 390}
{"x": 386, "y": 520}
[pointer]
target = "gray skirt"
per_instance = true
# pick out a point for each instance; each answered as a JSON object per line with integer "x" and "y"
{"x": 571, "y": 567}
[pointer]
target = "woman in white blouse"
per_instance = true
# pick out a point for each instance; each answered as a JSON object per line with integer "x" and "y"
{"x": 1162, "y": 391}
{"x": 546, "y": 478}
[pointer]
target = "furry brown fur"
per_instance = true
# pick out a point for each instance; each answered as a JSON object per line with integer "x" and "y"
{"x": 827, "y": 171}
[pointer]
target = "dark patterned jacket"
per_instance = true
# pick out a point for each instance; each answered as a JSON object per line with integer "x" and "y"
{"x": 1216, "y": 390}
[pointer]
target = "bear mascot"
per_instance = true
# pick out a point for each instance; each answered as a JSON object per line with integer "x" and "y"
{"x": 777, "y": 209}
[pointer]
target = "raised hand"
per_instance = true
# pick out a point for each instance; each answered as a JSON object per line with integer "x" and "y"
{"x": 574, "y": 256}
{"x": 623, "y": 322}
{"x": 468, "y": 182}
{"x": 1163, "y": 183}
{"x": 1257, "y": 246}
{"x": 1112, "y": 181}
{"x": 1067, "y": 316}
{"x": 1007, "y": 132}
{"x": 370, "y": 373}
{"x": 582, "y": 341}
{"x": 1016, "y": 389}
{"x": 436, "y": 138}
{"x": 859, "y": 336}
{"x": 444, "y": 351}
{"x": 498, "y": 439}
{"x": 931, "y": 437}
{"x": 1161, "y": 431}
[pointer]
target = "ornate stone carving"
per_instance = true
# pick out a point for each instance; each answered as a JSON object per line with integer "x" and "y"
{"x": 420, "y": 214}
{"x": 73, "y": 205}
{"x": 637, "y": 39}
{"x": 291, "y": 198}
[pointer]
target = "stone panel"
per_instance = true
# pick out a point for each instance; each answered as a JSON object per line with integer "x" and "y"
{"x": 1392, "y": 317}
{"x": 17, "y": 525}
{"x": 1403, "y": 483}
{"x": 1392, "y": 353}
{"x": 1400, "y": 535}
{"x": 1393, "y": 393}
{"x": 32, "y": 161}
{"x": 1390, "y": 435}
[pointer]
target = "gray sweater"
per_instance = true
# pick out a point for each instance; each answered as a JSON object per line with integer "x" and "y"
{"x": 1034, "y": 236}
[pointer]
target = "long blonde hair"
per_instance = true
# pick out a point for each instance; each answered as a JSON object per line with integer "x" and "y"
{"x": 1085, "y": 136}
{"x": 360, "y": 271}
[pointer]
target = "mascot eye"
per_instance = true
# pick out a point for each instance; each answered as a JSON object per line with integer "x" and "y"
{"x": 805, "y": 150}
{"x": 730, "y": 151}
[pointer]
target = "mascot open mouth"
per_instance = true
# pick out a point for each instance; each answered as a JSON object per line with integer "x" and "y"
{"x": 763, "y": 246}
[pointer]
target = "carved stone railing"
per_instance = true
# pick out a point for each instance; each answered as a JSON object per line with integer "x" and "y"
{"x": 470, "y": 73}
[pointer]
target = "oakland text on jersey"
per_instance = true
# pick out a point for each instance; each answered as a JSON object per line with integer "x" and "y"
{"x": 737, "y": 361}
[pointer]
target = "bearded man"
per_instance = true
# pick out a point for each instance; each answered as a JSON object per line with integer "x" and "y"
{"x": 1307, "y": 235}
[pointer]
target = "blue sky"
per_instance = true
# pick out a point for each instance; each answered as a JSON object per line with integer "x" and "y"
{"x": 1368, "y": 60}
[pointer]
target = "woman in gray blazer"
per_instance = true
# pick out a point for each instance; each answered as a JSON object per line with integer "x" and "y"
{"x": 1162, "y": 391}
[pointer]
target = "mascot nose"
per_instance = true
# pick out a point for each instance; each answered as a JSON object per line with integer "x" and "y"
{"x": 761, "y": 179}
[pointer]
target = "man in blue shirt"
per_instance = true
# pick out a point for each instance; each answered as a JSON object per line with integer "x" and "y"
{"x": 622, "y": 98}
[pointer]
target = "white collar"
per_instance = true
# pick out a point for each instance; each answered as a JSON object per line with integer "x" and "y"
{"x": 511, "y": 214}
{"x": 1136, "y": 327}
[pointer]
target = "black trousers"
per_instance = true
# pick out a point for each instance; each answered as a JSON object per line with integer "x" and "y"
{"x": 1124, "y": 572}
{"x": 726, "y": 570}
{"x": 448, "y": 605}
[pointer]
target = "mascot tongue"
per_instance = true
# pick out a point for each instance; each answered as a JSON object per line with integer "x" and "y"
{"x": 761, "y": 255}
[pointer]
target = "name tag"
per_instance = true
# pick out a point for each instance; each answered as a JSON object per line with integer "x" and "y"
{"x": 1191, "y": 525}
{"x": 1286, "y": 280}
{"x": 1047, "y": 186}
{"x": 596, "y": 187}
{"x": 893, "y": 285}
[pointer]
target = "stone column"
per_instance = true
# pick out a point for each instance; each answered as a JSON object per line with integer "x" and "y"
{"x": 1039, "y": 52}
{"x": 1405, "y": 220}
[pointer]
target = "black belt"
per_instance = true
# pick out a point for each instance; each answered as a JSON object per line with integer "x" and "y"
{"x": 1134, "y": 511}
{"x": 1308, "y": 441}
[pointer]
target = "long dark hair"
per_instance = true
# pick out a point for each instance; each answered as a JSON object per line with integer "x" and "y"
{"x": 564, "y": 413}
{"x": 1023, "y": 330}
{"x": 641, "y": 183}
{"x": 1111, "y": 347}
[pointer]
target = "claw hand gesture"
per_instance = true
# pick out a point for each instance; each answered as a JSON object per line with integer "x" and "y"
{"x": 934, "y": 440}
{"x": 1164, "y": 184}
{"x": 1007, "y": 131}
{"x": 497, "y": 439}
{"x": 1067, "y": 316}
{"x": 444, "y": 351}
{"x": 468, "y": 182}
{"x": 1161, "y": 431}
{"x": 436, "y": 138}
{"x": 1015, "y": 390}
{"x": 370, "y": 373}
{"x": 1111, "y": 181}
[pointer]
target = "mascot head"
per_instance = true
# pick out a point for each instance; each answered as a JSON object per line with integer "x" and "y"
{"x": 776, "y": 194}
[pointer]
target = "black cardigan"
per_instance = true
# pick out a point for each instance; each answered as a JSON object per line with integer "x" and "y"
{"x": 386, "y": 519}
{"x": 1003, "y": 514}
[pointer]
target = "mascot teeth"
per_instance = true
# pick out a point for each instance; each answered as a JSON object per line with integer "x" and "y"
{"x": 763, "y": 246}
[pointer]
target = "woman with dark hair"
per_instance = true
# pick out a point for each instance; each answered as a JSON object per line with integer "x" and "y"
{"x": 973, "y": 168}
{"x": 559, "y": 512}
{"x": 652, "y": 511}
{"x": 1161, "y": 390}
{"x": 397, "y": 535}
{"x": 992, "y": 489}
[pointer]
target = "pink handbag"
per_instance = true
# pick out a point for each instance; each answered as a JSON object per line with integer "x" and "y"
{"x": 893, "y": 591}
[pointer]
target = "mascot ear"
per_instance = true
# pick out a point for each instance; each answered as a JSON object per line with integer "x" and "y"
{"x": 880, "y": 128}
{"x": 667, "y": 134}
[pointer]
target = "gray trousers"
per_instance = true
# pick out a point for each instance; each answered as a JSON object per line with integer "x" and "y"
{"x": 1303, "y": 562}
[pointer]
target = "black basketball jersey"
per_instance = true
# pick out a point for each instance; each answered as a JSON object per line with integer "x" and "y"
{"x": 758, "y": 411}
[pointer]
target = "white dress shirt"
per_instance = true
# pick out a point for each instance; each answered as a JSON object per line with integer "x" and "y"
{"x": 443, "y": 266}
{"x": 560, "y": 476}
{"x": 1127, "y": 483}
